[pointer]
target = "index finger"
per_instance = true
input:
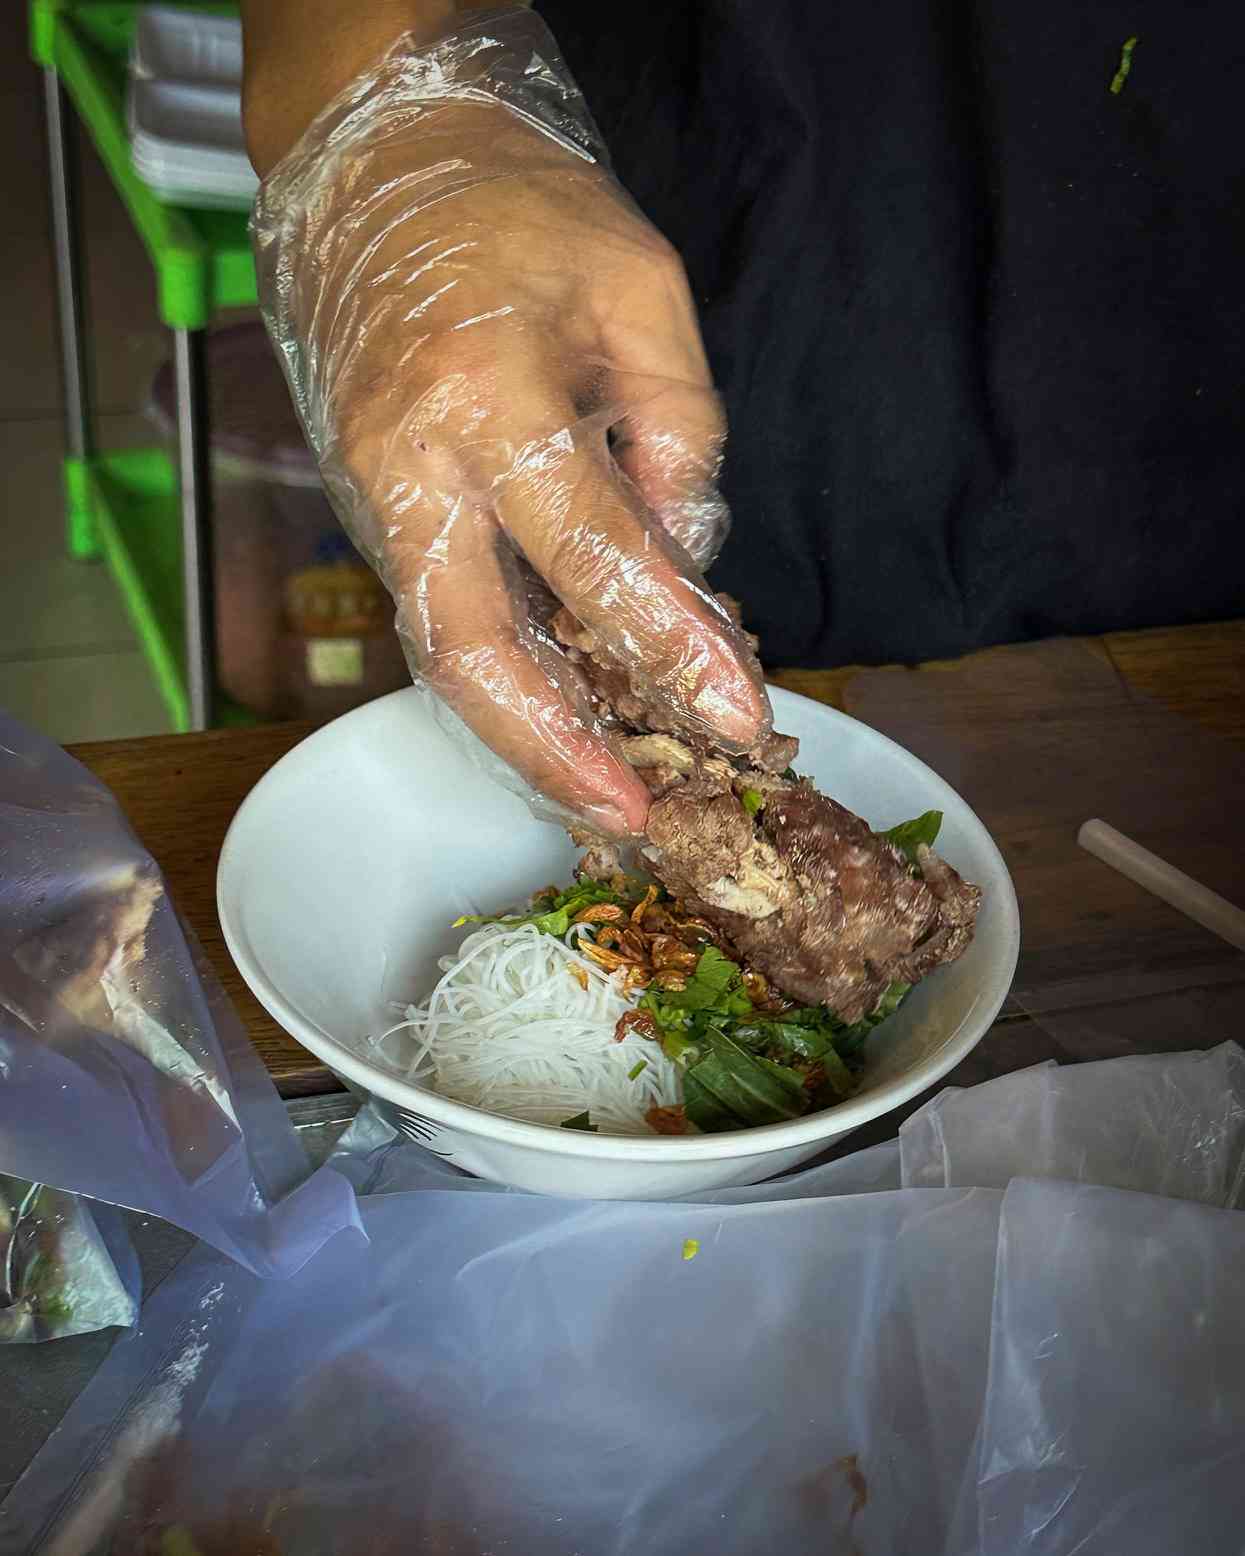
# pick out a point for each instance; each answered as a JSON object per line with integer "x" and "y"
{"x": 583, "y": 527}
{"x": 460, "y": 615}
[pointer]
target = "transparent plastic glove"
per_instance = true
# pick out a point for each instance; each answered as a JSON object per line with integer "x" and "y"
{"x": 497, "y": 362}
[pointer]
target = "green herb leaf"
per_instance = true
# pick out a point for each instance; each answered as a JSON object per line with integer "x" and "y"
{"x": 710, "y": 983}
{"x": 717, "y": 984}
{"x": 743, "y": 1066}
{"x": 751, "y": 1089}
{"x": 849, "y": 1041}
{"x": 753, "y": 801}
{"x": 786, "y": 1039}
{"x": 702, "y": 1108}
{"x": 680, "y": 1048}
{"x": 890, "y": 1002}
{"x": 839, "y": 1079}
{"x": 553, "y": 912}
{"x": 580, "y": 1121}
{"x": 909, "y": 835}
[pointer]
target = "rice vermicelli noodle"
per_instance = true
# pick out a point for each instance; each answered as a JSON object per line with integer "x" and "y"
{"x": 522, "y": 1024}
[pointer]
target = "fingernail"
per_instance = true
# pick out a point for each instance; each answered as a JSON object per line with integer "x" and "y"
{"x": 727, "y": 718}
{"x": 612, "y": 821}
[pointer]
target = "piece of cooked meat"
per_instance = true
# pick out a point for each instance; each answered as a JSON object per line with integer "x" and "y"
{"x": 658, "y": 751}
{"x": 802, "y": 888}
{"x": 622, "y": 699}
{"x": 601, "y": 861}
{"x": 830, "y": 912}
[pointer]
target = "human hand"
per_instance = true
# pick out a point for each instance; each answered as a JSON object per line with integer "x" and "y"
{"x": 497, "y": 361}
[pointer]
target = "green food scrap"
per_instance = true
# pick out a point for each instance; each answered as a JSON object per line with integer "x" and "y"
{"x": 637, "y": 1068}
{"x": 1125, "y": 65}
{"x": 690, "y": 1247}
{"x": 178, "y": 1541}
{"x": 53, "y": 1309}
{"x": 580, "y": 1121}
{"x": 753, "y": 801}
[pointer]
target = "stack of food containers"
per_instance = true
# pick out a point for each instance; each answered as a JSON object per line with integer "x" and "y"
{"x": 185, "y": 108}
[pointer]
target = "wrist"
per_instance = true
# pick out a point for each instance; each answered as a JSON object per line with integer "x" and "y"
{"x": 299, "y": 54}
{"x": 458, "y": 51}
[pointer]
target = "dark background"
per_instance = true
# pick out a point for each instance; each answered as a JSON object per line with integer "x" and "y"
{"x": 977, "y": 321}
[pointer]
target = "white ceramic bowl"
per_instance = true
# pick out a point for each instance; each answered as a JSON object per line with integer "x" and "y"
{"x": 346, "y": 865}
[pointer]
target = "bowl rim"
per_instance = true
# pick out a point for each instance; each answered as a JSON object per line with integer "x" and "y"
{"x": 760, "y": 1139}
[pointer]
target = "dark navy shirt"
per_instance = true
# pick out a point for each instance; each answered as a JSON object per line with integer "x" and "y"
{"x": 977, "y": 320}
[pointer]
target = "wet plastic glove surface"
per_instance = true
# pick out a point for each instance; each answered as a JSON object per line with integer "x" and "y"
{"x": 497, "y": 362}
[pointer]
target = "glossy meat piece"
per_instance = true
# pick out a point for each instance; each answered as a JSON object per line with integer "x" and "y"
{"x": 804, "y": 890}
{"x": 623, "y": 700}
{"x": 807, "y": 894}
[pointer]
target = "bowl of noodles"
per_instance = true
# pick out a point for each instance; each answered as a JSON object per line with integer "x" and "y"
{"x": 409, "y": 922}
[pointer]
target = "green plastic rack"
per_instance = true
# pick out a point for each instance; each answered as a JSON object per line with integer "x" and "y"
{"x": 127, "y": 506}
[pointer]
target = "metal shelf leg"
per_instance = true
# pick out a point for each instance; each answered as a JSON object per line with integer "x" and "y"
{"x": 71, "y": 307}
{"x": 190, "y": 375}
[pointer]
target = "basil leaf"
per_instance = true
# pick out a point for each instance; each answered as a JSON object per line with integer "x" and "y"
{"x": 890, "y": 1002}
{"x": 850, "y": 1041}
{"x": 702, "y": 1108}
{"x": 580, "y": 1121}
{"x": 909, "y": 835}
{"x": 839, "y": 1078}
{"x": 754, "y": 1090}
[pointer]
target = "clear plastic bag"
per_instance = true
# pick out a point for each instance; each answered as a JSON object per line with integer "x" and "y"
{"x": 506, "y": 1372}
{"x": 1115, "y": 1415}
{"x": 954, "y": 1369}
{"x": 124, "y": 1074}
{"x": 1171, "y": 1124}
{"x": 67, "y": 1266}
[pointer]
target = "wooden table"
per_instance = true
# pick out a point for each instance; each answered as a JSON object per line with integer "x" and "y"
{"x": 181, "y": 791}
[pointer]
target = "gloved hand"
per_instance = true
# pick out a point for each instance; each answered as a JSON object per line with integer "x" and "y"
{"x": 497, "y": 362}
